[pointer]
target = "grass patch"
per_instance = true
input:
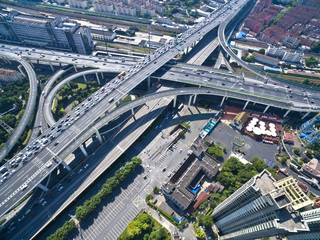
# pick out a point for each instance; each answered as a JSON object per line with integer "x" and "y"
{"x": 145, "y": 227}
{"x": 27, "y": 138}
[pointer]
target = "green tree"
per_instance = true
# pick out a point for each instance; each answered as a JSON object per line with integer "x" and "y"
{"x": 262, "y": 51}
{"x": 311, "y": 62}
{"x": 156, "y": 190}
{"x": 315, "y": 47}
{"x": 297, "y": 151}
{"x": 249, "y": 58}
{"x": 200, "y": 233}
{"x": 259, "y": 164}
{"x": 159, "y": 234}
{"x": 309, "y": 153}
{"x": 205, "y": 220}
{"x": 149, "y": 197}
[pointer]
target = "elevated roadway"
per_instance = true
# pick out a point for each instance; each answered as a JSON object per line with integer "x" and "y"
{"x": 39, "y": 122}
{"x": 29, "y": 107}
{"x": 58, "y": 57}
{"x": 212, "y": 80}
{"x": 40, "y": 165}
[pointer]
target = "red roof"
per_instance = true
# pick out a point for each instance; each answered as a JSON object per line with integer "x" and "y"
{"x": 202, "y": 197}
{"x": 287, "y": 137}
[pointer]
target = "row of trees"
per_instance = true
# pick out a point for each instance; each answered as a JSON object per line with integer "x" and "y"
{"x": 64, "y": 231}
{"x": 90, "y": 205}
{"x": 146, "y": 228}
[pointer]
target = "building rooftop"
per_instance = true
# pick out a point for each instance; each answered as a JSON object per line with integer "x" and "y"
{"x": 189, "y": 175}
{"x": 33, "y": 20}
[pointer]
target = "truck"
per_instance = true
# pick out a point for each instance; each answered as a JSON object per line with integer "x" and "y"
{"x": 111, "y": 100}
{"x": 121, "y": 74}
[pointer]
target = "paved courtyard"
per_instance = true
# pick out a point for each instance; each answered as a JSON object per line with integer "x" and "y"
{"x": 224, "y": 134}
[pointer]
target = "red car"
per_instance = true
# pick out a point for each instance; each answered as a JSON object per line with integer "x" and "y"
{"x": 35, "y": 152}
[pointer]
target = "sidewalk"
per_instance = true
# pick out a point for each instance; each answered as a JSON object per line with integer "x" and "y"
{"x": 164, "y": 222}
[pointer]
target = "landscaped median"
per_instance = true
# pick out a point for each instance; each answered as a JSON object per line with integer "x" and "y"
{"x": 83, "y": 212}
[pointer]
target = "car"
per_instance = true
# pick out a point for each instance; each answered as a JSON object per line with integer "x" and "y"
{"x": 56, "y": 143}
{"x": 60, "y": 188}
{"x": 49, "y": 164}
{"x": 80, "y": 170}
{"x": 35, "y": 152}
{"x": 85, "y": 166}
{"x": 44, "y": 203}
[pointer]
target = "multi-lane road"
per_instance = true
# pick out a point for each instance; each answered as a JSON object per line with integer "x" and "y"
{"x": 68, "y": 138}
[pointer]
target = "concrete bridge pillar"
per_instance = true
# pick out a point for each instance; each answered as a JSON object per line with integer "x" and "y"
{"x": 102, "y": 75}
{"x": 65, "y": 165}
{"x": 83, "y": 150}
{"x": 75, "y": 69}
{"x": 222, "y": 101}
{"x": 51, "y": 66}
{"x": 132, "y": 113}
{"x": 267, "y": 107}
{"x": 305, "y": 115}
{"x": 68, "y": 83}
{"x": 190, "y": 99}
{"x": 195, "y": 99}
{"x": 245, "y": 105}
{"x": 149, "y": 84}
{"x": 99, "y": 136}
{"x": 37, "y": 61}
{"x": 175, "y": 101}
{"x": 44, "y": 188}
{"x": 98, "y": 79}
{"x": 85, "y": 78}
{"x": 286, "y": 113}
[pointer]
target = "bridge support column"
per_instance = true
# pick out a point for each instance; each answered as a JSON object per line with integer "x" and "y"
{"x": 149, "y": 84}
{"x": 99, "y": 136}
{"x": 98, "y": 79}
{"x": 21, "y": 71}
{"x": 190, "y": 98}
{"x": 195, "y": 99}
{"x": 37, "y": 61}
{"x": 245, "y": 105}
{"x": 51, "y": 67}
{"x": 66, "y": 166}
{"x": 175, "y": 101}
{"x": 132, "y": 113}
{"x": 102, "y": 75}
{"x": 44, "y": 188}
{"x": 60, "y": 64}
{"x": 222, "y": 101}
{"x": 305, "y": 115}
{"x": 75, "y": 69}
{"x": 85, "y": 78}
{"x": 267, "y": 107}
{"x": 286, "y": 113}
{"x": 83, "y": 150}
{"x": 69, "y": 85}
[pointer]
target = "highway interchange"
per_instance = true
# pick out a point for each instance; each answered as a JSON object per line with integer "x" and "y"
{"x": 36, "y": 170}
{"x": 70, "y": 137}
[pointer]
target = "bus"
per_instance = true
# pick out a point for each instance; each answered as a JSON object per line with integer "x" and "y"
{"x": 121, "y": 74}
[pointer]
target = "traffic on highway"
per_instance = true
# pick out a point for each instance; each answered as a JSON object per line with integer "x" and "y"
{"x": 41, "y": 157}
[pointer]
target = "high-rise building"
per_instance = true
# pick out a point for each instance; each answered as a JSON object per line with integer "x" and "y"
{"x": 47, "y": 32}
{"x": 262, "y": 207}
